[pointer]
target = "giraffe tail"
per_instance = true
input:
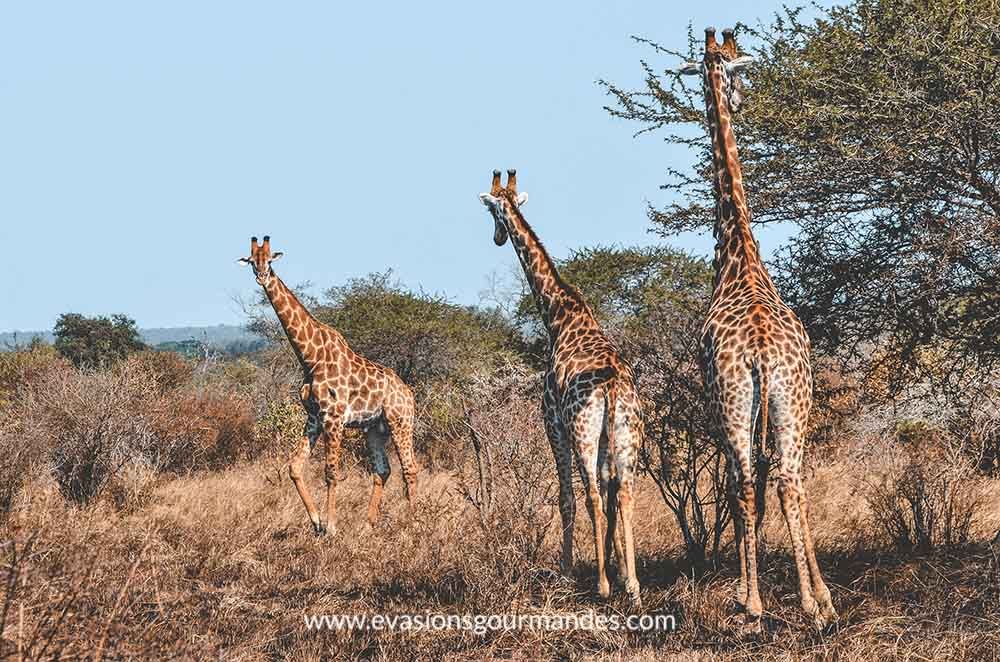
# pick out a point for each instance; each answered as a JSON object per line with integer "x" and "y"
{"x": 612, "y": 404}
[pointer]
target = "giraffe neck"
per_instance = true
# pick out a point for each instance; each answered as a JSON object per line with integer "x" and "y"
{"x": 296, "y": 320}
{"x": 737, "y": 258}
{"x": 548, "y": 289}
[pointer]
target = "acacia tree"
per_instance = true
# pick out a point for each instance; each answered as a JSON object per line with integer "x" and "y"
{"x": 872, "y": 129}
{"x": 95, "y": 341}
{"x": 422, "y": 337}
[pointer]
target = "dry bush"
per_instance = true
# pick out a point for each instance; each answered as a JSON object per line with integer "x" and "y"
{"x": 205, "y": 429}
{"x": 24, "y": 368}
{"x": 21, "y": 455}
{"x": 74, "y": 615}
{"x": 679, "y": 452}
{"x": 169, "y": 370}
{"x": 22, "y": 449}
{"x": 509, "y": 475}
{"x": 120, "y": 427}
{"x": 221, "y": 563}
{"x": 277, "y": 429}
{"x": 979, "y": 423}
{"x": 923, "y": 491}
{"x": 95, "y": 422}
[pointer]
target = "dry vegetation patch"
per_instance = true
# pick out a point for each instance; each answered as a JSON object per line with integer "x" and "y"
{"x": 221, "y": 561}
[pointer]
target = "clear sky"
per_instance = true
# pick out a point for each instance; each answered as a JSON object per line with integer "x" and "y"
{"x": 142, "y": 144}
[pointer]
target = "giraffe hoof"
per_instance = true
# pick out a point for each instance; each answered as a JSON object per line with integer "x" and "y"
{"x": 824, "y": 618}
{"x": 634, "y": 600}
{"x": 754, "y": 609}
{"x": 752, "y": 625}
{"x": 319, "y": 530}
{"x": 566, "y": 567}
{"x": 604, "y": 589}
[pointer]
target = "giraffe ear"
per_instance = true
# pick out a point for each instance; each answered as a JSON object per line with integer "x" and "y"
{"x": 522, "y": 197}
{"x": 739, "y": 64}
{"x": 488, "y": 200}
{"x": 689, "y": 69}
{"x": 276, "y": 256}
{"x": 244, "y": 260}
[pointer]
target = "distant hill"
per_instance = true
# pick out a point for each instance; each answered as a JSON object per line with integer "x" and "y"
{"x": 220, "y": 336}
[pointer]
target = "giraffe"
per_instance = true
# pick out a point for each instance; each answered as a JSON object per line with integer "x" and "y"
{"x": 590, "y": 406}
{"x": 755, "y": 352}
{"x": 340, "y": 389}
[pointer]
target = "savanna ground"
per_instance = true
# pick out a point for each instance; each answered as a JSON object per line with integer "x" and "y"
{"x": 224, "y": 565}
{"x": 158, "y": 522}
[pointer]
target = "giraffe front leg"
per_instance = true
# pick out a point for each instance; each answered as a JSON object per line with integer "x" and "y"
{"x": 587, "y": 428}
{"x": 788, "y": 493}
{"x": 613, "y": 536}
{"x": 296, "y": 467}
{"x": 613, "y": 533}
{"x": 563, "y": 456}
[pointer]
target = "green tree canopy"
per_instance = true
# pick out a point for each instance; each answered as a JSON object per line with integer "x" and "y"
{"x": 874, "y": 130}
{"x": 626, "y": 286}
{"x": 421, "y": 336}
{"x": 96, "y": 341}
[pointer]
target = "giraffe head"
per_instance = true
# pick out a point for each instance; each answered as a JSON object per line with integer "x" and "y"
{"x": 260, "y": 260}
{"x": 720, "y": 67}
{"x": 501, "y": 202}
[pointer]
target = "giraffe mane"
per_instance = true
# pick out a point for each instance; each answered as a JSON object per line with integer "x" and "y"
{"x": 567, "y": 288}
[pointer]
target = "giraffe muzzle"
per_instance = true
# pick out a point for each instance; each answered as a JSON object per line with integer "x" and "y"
{"x": 499, "y": 232}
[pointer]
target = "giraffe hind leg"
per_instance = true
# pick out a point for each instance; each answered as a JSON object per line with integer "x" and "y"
{"x": 820, "y": 591}
{"x": 376, "y": 438}
{"x": 587, "y": 426}
{"x": 401, "y": 430}
{"x": 792, "y": 496}
{"x": 744, "y": 514}
{"x": 628, "y": 436}
{"x": 732, "y": 482}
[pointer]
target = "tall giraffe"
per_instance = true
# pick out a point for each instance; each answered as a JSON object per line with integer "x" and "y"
{"x": 340, "y": 389}
{"x": 755, "y": 351}
{"x": 590, "y": 405}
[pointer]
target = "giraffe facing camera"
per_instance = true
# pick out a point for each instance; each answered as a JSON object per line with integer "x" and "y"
{"x": 339, "y": 389}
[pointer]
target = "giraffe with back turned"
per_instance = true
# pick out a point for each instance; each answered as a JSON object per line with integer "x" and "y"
{"x": 590, "y": 406}
{"x": 755, "y": 352}
{"x": 340, "y": 389}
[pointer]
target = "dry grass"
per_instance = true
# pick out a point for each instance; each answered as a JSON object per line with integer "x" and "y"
{"x": 224, "y": 562}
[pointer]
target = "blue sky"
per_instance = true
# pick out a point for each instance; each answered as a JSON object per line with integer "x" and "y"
{"x": 142, "y": 144}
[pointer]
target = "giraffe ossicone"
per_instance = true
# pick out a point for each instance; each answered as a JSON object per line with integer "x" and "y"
{"x": 755, "y": 356}
{"x": 590, "y": 406}
{"x": 340, "y": 389}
